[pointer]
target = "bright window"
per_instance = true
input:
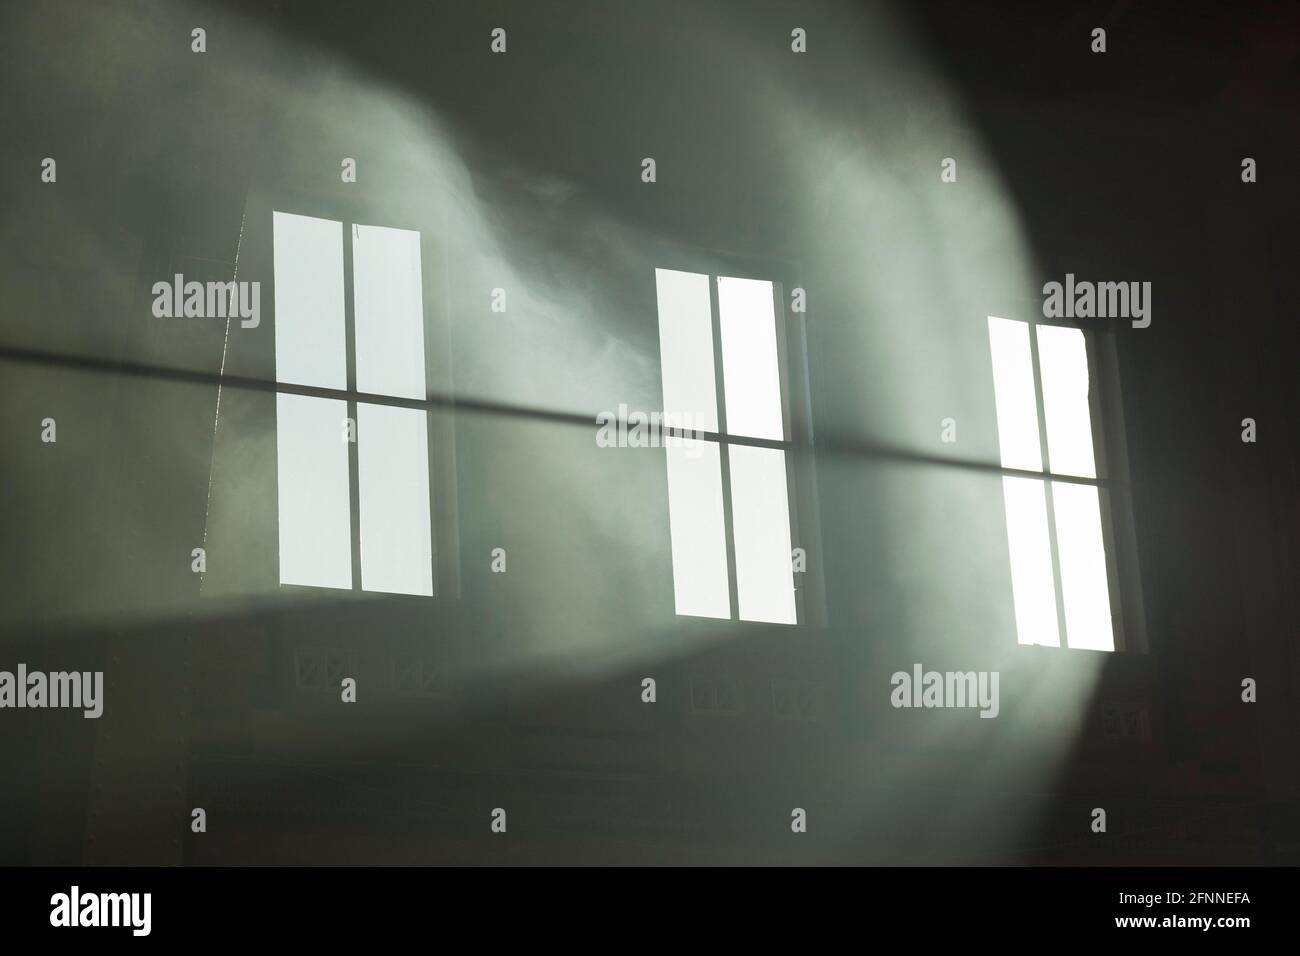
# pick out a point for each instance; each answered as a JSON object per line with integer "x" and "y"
{"x": 1059, "y": 574}
{"x": 341, "y": 423}
{"x": 728, "y": 491}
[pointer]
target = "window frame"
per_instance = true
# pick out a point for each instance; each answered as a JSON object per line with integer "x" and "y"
{"x": 796, "y": 408}
{"x": 257, "y": 264}
{"x": 1110, "y": 455}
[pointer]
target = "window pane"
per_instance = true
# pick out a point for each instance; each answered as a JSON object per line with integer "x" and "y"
{"x": 1013, "y": 391}
{"x": 1032, "y": 586}
{"x": 393, "y": 475}
{"x": 314, "y": 506}
{"x": 1063, "y": 368}
{"x": 760, "y": 516}
{"x": 686, "y": 349}
{"x": 751, "y": 373}
{"x": 309, "y": 330}
{"x": 700, "y": 583}
{"x": 389, "y": 299}
{"x": 1084, "y": 587}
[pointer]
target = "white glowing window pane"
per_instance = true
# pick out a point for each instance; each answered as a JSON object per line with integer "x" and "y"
{"x": 760, "y": 518}
{"x": 315, "y": 508}
{"x": 389, "y": 298}
{"x": 751, "y": 371}
{"x": 1033, "y": 587}
{"x": 1013, "y": 391}
{"x": 686, "y": 349}
{"x": 1063, "y": 369}
{"x": 393, "y": 486}
{"x": 310, "y": 340}
{"x": 1082, "y": 553}
{"x": 700, "y": 583}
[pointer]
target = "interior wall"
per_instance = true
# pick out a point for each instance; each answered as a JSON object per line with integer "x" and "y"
{"x": 526, "y": 168}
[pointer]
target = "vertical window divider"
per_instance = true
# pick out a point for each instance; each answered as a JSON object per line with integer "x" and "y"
{"x": 350, "y": 351}
{"x": 1064, "y": 640}
{"x": 724, "y": 457}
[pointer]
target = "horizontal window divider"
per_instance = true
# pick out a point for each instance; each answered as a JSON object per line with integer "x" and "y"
{"x": 686, "y": 433}
{"x": 368, "y": 398}
{"x": 1068, "y": 479}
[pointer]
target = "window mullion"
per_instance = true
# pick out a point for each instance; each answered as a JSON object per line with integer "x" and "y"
{"x": 1047, "y": 484}
{"x": 350, "y": 352}
{"x": 733, "y": 592}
